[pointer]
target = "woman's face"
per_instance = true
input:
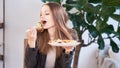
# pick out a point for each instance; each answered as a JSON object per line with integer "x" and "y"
{"x": 46, "y": 17}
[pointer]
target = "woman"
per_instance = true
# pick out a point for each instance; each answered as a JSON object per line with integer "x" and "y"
{"x": 39, "y": 54}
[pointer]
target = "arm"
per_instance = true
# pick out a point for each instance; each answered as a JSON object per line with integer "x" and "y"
{"x": 31, "y": 50}
{"x": 31, "y": 57}
{"x": 68, "y": 58}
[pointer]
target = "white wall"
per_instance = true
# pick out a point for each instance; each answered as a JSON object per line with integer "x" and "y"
{"x": 87, "y": 58}
{"x": 20, "y": 14}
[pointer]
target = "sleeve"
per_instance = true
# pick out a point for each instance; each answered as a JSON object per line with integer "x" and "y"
{"x": 68, "y": 58}
{"x": 30, "y": 57}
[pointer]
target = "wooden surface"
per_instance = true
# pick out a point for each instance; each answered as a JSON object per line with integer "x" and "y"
{"x": 1, "y": 57}
{"x": 1, "y": 25}
{"x": 25, "y": 44}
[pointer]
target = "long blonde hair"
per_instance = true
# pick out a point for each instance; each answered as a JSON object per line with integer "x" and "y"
{"x": 62, "y": 31}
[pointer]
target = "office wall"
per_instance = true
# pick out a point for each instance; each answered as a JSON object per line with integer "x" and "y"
{"x": 20, "y": 15}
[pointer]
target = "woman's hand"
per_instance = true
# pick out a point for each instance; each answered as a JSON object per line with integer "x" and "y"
{"x": 68, "y": 49}
{"x": 31, "y": 36}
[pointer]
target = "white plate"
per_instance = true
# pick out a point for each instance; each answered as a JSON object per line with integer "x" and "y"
{"x": 75, "y": 43}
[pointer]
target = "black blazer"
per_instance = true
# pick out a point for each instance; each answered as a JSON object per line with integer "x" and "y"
{"x": 34, "y": 59}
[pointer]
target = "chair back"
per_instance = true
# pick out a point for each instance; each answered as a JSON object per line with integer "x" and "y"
{"x": 25, "y": 44}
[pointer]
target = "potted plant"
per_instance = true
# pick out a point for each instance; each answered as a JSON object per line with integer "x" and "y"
{"x": 93, "y": 16}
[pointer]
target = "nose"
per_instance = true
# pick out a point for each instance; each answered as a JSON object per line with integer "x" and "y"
{"x": 42, "y": 16}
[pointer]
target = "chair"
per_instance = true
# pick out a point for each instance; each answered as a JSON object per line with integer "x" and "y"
{"x": 25, "y": 44}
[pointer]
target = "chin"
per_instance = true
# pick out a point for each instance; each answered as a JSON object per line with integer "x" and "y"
{"x": 45, "y": 27}
{"x": 49, "y": 27}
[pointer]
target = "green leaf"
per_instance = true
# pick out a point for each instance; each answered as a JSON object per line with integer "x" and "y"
{"x": 90, "y": 17}
{"x": 80, "y": 4}
{"x": 108, "y": 29}
{"x": 43, "y": 1}
{"x": 115, "y": 17}
{"x": 101, "y": 25}
{"x": 118, "y": 30}
{"x": 100, "y": 42}
{"x": 111, "y": 2}
{"x": 97, "y": 9}
{"x": 93, "y": 31}
{"x": 95, "y": 1}
{"x": 59, "y": 1}
{"x": 70, "y": 1}
{"x": 78, "y": 20}
{"x": 106, "y": 11}
{"x": 70, "y": 4}
{"x": 89, "y": 8}
{"x": 68, "y": 7}
{"x": 117, "y": 7}
{"x": 51, "y": 1}
{"x": 114, "y": 46}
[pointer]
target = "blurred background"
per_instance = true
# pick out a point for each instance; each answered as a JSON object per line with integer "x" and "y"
{"x": 20, "y": 15}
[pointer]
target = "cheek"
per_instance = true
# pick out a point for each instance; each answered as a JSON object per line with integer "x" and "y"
{"x": 50, "y": 20}
{"x": 51, "y": 23}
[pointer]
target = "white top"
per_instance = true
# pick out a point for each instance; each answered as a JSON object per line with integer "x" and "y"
{"x": 50, "y": 60}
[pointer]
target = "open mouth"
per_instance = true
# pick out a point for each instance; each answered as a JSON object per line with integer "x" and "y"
{"x": 43, "y": 22}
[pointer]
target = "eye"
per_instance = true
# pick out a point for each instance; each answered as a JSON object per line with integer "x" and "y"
{"x": 40, "y": 15}
{"x": 46, "y": 13}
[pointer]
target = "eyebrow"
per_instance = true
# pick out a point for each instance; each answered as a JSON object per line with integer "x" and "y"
{"x": 46, "y": 11}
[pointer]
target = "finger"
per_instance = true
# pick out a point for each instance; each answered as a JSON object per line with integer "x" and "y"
{"x": 68, "y": 48}
{"x": 34, "y": 32}
{"x": 30, "y": 33}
